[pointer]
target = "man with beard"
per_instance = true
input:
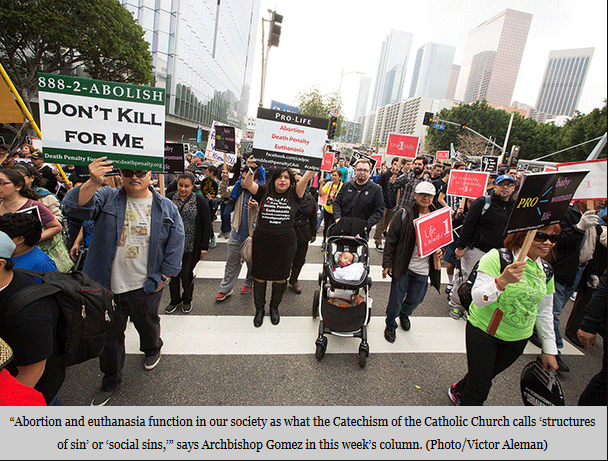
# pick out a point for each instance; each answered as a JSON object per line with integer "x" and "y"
{"x": 406, "y": 183}
{"x": 483, "y": 230}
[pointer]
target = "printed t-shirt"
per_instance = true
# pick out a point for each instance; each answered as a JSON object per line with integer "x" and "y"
{"x": 331, "y": 189}
{"x": 277, "y": 212}
{"x": 518, "y": 301}
{"x": 130, "y": 265}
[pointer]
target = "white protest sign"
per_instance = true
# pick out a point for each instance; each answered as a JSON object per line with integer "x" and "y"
{"x": 213, "y": 154}
{"x": 289, "y": 139}
{"x": 595, "y": 184}
{"x": 83, "y": 119}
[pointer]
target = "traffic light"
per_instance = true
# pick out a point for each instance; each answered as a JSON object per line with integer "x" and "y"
{"x": 428, "y": 118}
{"x": 275, "y": 29}
{"x": 462, "y": 127}
{"x": 332, "y": 127}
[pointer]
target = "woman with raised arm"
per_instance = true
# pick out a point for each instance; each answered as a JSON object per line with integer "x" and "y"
{"x": 274, "y": 241}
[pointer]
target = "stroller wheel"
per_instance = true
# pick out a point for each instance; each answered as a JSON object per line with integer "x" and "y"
{"x": 320, "y": 351}
{"x": 362, "y": 358}
{"x": 316, "y": 304}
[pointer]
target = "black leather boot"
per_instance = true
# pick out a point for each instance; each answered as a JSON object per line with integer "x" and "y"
{"x": 259, "y": 302}
{"x": 277, "y": 291}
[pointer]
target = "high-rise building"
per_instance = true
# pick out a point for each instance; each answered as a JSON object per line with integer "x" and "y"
{"x": 391, "y": 73}
{"x": 432, "y": 71}
{"x": 363, "y": 96}
{"x": 203, "y": 54}
{"x": 453, "y": 78}
{"x": 564, "y": 78}
{"x": 492, "y": 58}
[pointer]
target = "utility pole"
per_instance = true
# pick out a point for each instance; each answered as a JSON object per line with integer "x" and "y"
{"x": 275, "y": 31}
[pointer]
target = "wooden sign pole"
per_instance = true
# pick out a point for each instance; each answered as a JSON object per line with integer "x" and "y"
{"x": 529, "y": 238}
{"x": 590, "y": 205}
{"x": 162, "y": 183}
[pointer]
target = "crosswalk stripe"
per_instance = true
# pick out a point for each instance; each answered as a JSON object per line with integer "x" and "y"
{"x": 310, "y": 271}
{"x": 235, "y": 335}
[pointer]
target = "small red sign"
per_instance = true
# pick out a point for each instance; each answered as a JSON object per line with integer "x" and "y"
{"x": 402, "y": 145}
{"x": 442, "y": 155}
{"x": 433, "y": 231}
{"x": 377, "y": 159}
{"x": 469, "y": 184}
{"x": 327, "y": 161}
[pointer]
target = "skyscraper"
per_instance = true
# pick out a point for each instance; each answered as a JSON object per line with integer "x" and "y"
{"x": 492, "y": 58}
{"x": 455, "y": 73}
{"x": 432, "y": 71}
{"x": 363, "y": 96}
{"x": 564, "y": 78}
{"x": 203, "y": 54}
{"x": 390, "y": 81}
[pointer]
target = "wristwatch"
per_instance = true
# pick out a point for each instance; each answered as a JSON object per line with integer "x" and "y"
{"x": 165, "y": 279}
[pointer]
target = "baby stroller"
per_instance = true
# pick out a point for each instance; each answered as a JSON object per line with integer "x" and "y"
{"x": 344, "y": 306}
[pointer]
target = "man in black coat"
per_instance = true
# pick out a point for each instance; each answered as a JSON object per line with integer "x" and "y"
{"x": 389, "y": 198}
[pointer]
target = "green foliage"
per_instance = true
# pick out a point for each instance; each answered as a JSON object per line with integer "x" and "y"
{"x": 314, "y": 103}
{"x": 535, "y": 140}
{"x": 60, "y": 35}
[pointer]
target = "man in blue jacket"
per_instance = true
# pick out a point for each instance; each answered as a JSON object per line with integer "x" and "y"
{"x": 137, "y": 245}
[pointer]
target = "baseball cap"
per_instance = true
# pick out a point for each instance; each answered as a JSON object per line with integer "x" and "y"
{"x": 425, "y": 187}
{"x": 504, "y": 177}
{"x": 36, "y": 155}
{"x": 205, "y": 164}
{"x": 7, "y": 246}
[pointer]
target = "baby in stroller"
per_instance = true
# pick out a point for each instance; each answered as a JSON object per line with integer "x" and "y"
{"x": 347, "y": 270}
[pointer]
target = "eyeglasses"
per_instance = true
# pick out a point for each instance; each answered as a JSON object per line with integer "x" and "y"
{"x": 506, "y": 184}
{"x": 130, "y": 173}
{"x": 4, "y": 183}
{"x": 543, "y": 237}
{"x": 361, "y": 170}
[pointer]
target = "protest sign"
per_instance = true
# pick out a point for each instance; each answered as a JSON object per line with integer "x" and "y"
{"x": 327, "y": 161}
{"x": 543, "y": 199}
{"x": 173, "y": 161}
{"x": 360, "y": 155}
{"x": 468, "y": 184}
{"x": 225, "y": 139}
{"x": 402, "y": 145}
{"x": 288, "y": 139}
{"x": 595, "y": 185}
{"x": 489, "y": 164}
{"x": 433, "y": 231}
{"x": 442, "y": 155}
{"x": 218, "y": 156}
{"x": 83, "y": 119}
{"x": 377, "y": 159}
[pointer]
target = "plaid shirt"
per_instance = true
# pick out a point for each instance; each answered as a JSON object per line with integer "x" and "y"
{"x": 406, "y": 183}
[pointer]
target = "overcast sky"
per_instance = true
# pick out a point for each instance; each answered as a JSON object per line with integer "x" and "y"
{"x": 321, "y": 39}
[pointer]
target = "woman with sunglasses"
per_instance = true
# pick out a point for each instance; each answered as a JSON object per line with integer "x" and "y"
{"x": 521, "y": 296}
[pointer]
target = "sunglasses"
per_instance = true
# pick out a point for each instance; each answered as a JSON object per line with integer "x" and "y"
{"x": 543, "y": 237}
{"x": 130, "y": 173}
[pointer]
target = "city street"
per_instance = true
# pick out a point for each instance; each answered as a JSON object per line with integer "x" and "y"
{"x": 215, "y": 356}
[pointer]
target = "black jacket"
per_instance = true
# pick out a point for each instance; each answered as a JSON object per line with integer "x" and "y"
{"x": 203, "y": 226}
{"x": 389, "y": 196}
{"x": 400, "y": 242}
{"x": 596, "y": 312}
{"x": 487, "y": 231}
{"x": 364, "y": 202}
{"x": 306, "y": 220}
{"x": 564, "y": 257}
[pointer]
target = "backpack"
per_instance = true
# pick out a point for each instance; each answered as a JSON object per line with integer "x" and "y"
{"x": 85, "y": 310}
{"x": 506, "y": 258}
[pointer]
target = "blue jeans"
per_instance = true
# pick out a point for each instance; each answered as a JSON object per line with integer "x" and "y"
{"x": 225, "y": 218}
{"x": 405, "y": 296}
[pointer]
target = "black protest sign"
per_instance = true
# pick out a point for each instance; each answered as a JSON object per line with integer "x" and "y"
{"x": 539, "y": 387}
{"x": 489, "y": 164}
{"x": 225, "y": 139}
{"x": 359, "y": 155}
{"x": 173, "y": 159}
{"x": 543, "y": 199}
{"x": 289, "y": 140}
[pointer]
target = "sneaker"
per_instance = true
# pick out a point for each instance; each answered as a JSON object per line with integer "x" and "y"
{"x": 379, "y": 248}
{"x": 213, "y": 242}
{"x": 454, "y": 395}
{"x": 151, "y": 361}
{"x": 245, "y": 290}
{"x": 223, "y": 296}
{"x": 222, "y": 235}
{"x": 448, "y": 288}
{"x": 186, "y": 308}
{"x": 456, "y": 313}
{"x": 101, "y": 398}
{"x": 170, "y": 308}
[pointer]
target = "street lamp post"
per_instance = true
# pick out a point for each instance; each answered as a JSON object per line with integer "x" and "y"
{"x": 345, "y": 73}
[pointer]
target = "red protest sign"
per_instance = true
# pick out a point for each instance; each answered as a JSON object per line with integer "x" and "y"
{"x": 377, "y": 159}
{"x": 402, "y": 145}
{"x": 442, "y": 155}
{"x": 327, "y": 161}
{"x": 469, "y": 184}
{"x": 433, "y": 231}
{"x": 595, "y": 184}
